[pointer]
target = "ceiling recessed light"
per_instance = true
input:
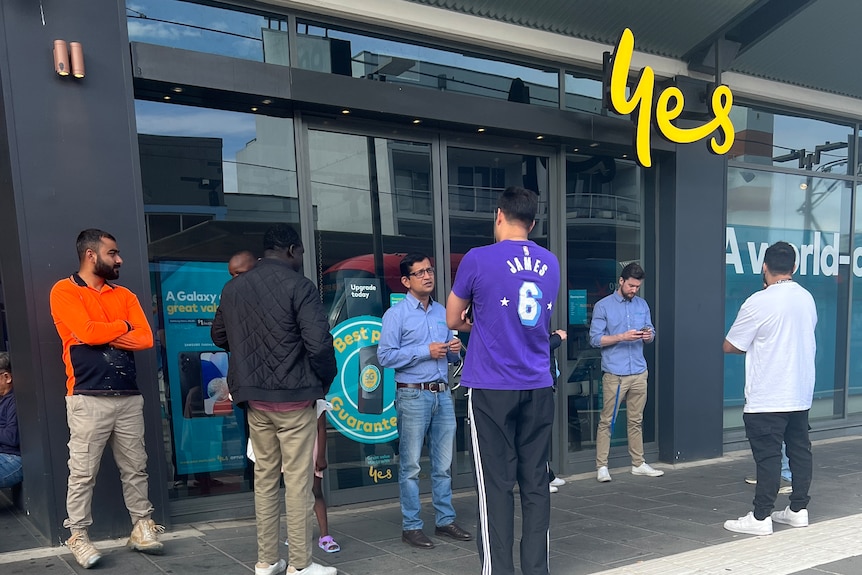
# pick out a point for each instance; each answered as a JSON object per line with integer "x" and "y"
{"x": 417, "y": 121}
{"x": 540, "y": 137}
{"x": 594, "y": 145}
{"x": 254, "y": 108}
{"x": 625, "y": 155}
{"x": 574, "y": 149}
{"x": 480, "y": 130}
{"x": 167, "y": 97}
{"x": 345, "y": 111}
{"x": 177, "y": 89}
{"x": 267, "y": 101}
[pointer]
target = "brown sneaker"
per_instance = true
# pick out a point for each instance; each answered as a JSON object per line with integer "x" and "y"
{"x": 85, "y": 554}
{"x": 145, "y": 537}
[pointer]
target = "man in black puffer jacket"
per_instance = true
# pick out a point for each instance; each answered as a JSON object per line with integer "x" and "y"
{"x": 271, "y": 320}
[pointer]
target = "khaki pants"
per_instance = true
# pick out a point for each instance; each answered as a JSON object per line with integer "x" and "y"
{"x": 632, "y": 390}
{"x": 283, "y": 442}
{"x": 95, "y": 421}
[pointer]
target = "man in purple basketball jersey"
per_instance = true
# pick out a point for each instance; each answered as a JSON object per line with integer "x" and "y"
{"x": 511, "y": 286}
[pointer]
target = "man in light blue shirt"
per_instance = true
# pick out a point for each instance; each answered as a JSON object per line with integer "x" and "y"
{"x": 417, "y": 344}
{"x": 621, "y": 325}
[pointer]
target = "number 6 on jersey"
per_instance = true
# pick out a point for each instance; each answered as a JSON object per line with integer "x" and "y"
{"x": 529, "y": 309}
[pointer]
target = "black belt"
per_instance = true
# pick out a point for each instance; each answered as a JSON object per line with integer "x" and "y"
{"x": 435, "y": 386}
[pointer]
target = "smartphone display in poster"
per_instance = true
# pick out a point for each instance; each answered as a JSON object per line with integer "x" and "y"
{"x": 207, "y": 429}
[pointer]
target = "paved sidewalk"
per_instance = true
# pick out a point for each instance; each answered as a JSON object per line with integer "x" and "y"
{"x": 670, "y": 525}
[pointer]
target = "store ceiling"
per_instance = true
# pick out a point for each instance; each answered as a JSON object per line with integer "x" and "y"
{"x": 809, "y": 43}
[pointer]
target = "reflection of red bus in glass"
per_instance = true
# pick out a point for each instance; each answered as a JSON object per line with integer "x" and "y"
{"x": 363, "y": 267}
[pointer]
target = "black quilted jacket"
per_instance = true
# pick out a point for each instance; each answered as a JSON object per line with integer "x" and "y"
{"x": 271, "y": 320}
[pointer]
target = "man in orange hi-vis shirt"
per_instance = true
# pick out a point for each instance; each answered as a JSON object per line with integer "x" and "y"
{"x": 101, "y": 324}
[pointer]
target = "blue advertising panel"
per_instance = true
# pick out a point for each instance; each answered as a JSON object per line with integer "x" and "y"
{"x": 208, "y": 433}
{"x": 578, "y": 307}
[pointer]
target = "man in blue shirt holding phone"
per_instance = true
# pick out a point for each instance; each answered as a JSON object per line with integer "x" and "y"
{"x": 416, "y": 342}
{"x": 621, "y": 326}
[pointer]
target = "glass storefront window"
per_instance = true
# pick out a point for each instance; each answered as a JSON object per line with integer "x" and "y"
{"x": 372, "y": 204}
{"x": 604, "y": 196}
{"x": 854, "y": 379}
{"x": 583, "y": 94}
{"x": 812, "y": 214}
{"x": 476, "y": 178}
{"x": 771, "y": 139}
{"x": 348, "y": 53}
{"x": 203, "y": 28}
{"x": 213, "y": 181}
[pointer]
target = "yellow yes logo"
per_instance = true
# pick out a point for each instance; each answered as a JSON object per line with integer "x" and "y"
{"x": 668, "y": 106}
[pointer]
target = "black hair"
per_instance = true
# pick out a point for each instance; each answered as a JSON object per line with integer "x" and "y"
{"x": 89, "y": 240}
{"x": 519, "y": 204}
{"x": 280, "y": 236}
{"x": 408, "y": 260}
{"x": 780, "y": 258}
{"x": 633, "y": 271}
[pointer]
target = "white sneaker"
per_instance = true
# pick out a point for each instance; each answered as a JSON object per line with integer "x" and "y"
{"x": 557, "y": 482}
{"x": 265, "y": 569}
{"x": 313, "y": 569}
{"x": 645, "y": 469}
{"x": 792, "y": 518}
{"x": 750, "y": 525}
{"x": 602, "y": 476}
{"x": 553, "y": 488}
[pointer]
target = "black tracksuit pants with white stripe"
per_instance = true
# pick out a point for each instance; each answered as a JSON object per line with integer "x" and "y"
{"x": 510, "y": 435}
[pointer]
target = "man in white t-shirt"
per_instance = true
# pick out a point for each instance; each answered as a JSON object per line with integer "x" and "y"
{"x": 775, "y": 331}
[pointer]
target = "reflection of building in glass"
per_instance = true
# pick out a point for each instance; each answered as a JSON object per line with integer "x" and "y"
{"x": 266, "y": 174}
{"x": 182, "y": 182}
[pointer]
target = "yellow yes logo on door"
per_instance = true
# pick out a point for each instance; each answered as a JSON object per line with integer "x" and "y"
{"x": 668, "y": 106}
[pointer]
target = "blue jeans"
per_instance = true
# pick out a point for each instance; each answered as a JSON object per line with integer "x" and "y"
{"x": 785, "y": 464}
{"x": 11, "y": 472}
{"x": 422, "y": 413}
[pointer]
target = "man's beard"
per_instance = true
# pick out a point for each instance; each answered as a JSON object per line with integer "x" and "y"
{"x": 106, "y": 271}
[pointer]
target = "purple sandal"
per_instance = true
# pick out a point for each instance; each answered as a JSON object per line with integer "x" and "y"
{"x": 328, "y": 544}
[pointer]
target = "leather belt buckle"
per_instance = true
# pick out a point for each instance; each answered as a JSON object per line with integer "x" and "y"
{"x": 437, "y": 387}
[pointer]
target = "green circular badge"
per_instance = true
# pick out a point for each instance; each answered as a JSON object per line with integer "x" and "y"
{"x": 370, "y": 378}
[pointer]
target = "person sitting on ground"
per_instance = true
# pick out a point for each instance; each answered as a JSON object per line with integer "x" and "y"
{"x": 11, "y": 470}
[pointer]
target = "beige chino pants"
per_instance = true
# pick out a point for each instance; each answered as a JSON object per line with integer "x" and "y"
{"x": 95, "y": 421}
{"x": 632, "y": 390}
{"x": 283, "y": 443}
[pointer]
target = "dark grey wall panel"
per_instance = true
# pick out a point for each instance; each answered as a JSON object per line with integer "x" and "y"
{"x": 691, "y": 232}
{"x": 68, "y": 160}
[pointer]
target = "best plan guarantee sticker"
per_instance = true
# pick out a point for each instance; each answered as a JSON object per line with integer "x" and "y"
{"x": 363, "y": 393}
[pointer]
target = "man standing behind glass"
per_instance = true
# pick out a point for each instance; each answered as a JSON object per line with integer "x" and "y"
{"x": 621, "y": 325}
{"x": 417, "y": 344}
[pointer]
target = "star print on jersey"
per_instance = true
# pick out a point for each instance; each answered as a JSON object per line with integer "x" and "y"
{"x": 550, "y": 305}
{"x": 504, "y": 302}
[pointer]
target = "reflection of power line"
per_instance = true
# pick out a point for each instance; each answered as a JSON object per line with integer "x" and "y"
{"x": 141, "y": 16}
{"x": 452, "y": 80}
